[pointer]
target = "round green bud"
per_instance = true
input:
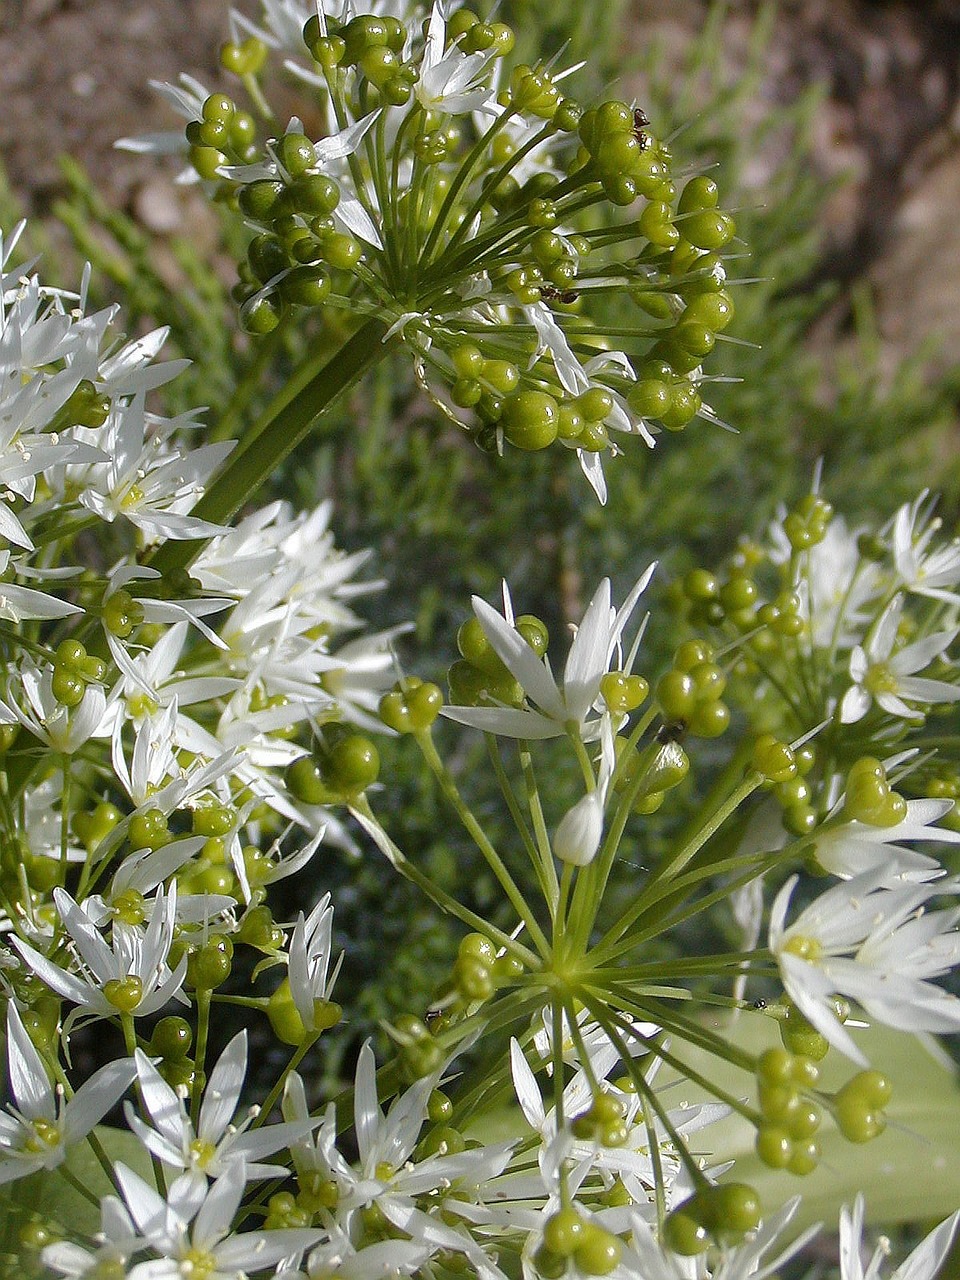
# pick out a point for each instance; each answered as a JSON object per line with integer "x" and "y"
{"x": 353, "y": 764}
{"x": 171, "y": 1039}
{"x": 530, "y": 419}
{"x": 699, "y": 193}
{"x": 708, "y": 229}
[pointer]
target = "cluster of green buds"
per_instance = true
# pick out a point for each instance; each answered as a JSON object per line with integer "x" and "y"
{"x": 480, "y": 213}
{"x": 569, "y": 1236}
{"x": 723, "y": 1213}
{"x": 342, "y": 765}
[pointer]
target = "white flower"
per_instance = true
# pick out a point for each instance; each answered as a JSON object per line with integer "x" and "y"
{"x": 449, "y": 81}
{"x": 924, "y": 1262}
{"x": 854, "y": 848}
{"x": 390, "y": 1178}
{"x": 117, "y": 1240}
{"x": 152, "y": 487}
{"x": 131, "y": 975}
{"x": 192, "y": 1230}
{"x": 556, "y": 710}
{"x": 37, "y": 1130}
{"x": 927, "y": 573}
{"x": 208, "y": 1150}
{"x": 875, "y": 944}
{"x": 64, "y": 729}
{"x": 309, "y": 962}
{"x": 886, "y": 677}
{"x": 631, "y": 1160}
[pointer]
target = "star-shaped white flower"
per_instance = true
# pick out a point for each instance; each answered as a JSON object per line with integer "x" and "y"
{"x": 876, "y": 944}
{"x": 885, "y": 676}
{"x": 193, "y": 1230}
{"x": 217, "y": 1141}
{"x": 132, "y": 974}
{"x": 39, "y": 1127}
{"x": 556, "y": 709}
{"x": 855, "y": 848}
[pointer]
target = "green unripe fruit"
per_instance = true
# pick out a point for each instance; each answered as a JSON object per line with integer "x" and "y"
{"x": 530, "y": 419}
{"x": 467, "y": 360}
{"x": 267, "y": 257}
{"x": 800, "y": 1037}
{"x": 315, "y": 193}
{"x": 125, "y": 994}
{"x": 257, "y": 929}
{"x": 353, "y": 764}
{"x": 683, "y": 1234}
{"x": 121, "y": 614}
{"x": 148, "y": 830}
{"x": 693, "y": 337}
{"x": 598, "y": 1252}
{"x": 655, "y": 224}
{"x": 341, "y": 251}
{"x": 534, "y": 632}
{"x": 701, "y": 584}
{"x": 260, "y": 315}
{"x": 713, "y": 310}
{"x": 472, "y": 978}
{"x": 305, "y": 782}
{"x": 501, "y": 375}
{"x": 773, "y": 759}
{"x": 735, "y": 1208}
{"x": 685, "y": 404}
{"x": 650, "y": 398}
{"x": 171, "y": 1039}
{"x": 296, "y": 153}
{"x": 774, "y": 1146}
{"x": 676, "y": 694}
{"x": 563, "y": 1232}
{"x": 549, "y": 1265}
{"x": 699, "y": 193}
{"x": 775, "y": 1066}
{"x": 206, "y": 161}
{"x": 804, "y": 1120}
{"x": 804, "y": 1158}
{"x": 709, "y": 229}
{"x": 305, "y": 286}
{"x": 623, "y": 693}
{"x": 67, "y": 687}
{"x": 709, "y": 719}
{"x": 209, "y": 966}
{"x": 738, "y": 593}
{"x": 595, "y": 404}
{"x": 477, "y": 650}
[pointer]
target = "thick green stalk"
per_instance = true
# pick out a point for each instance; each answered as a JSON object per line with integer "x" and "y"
{"x": 277, "y": 437}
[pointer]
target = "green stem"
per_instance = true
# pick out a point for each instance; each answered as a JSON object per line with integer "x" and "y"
{"x": 276, "y": 437}
{"x": 480, "y": 839}
{"x": 204, "y": 995}
{"x": 400, "y": 862}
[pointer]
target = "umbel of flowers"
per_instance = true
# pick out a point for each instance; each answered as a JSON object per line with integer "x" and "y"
{"x": 480, "y": 215}
{"x": 174, "y": 743}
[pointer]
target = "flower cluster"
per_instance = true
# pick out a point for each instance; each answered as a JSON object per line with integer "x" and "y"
{"x": 480, "y": 213}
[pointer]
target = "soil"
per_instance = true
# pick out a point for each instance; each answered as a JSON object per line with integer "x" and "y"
{"x": 73, "y": 78}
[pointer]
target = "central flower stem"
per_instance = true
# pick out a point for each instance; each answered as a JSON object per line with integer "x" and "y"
{"x": 276, "y": 437}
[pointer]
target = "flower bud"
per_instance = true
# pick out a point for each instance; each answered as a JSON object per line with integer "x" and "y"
{"x": 577, "y": 837}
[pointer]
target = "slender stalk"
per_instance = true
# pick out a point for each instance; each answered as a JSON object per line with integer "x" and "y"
{"x": 276, "y": 437}
{"x": 479, "y": 837}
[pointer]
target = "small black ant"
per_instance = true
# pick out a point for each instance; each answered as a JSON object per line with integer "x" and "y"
{"x": 671, "y": 733}
{"x": 641, "y": 122}
{"x": 550, "y": 294}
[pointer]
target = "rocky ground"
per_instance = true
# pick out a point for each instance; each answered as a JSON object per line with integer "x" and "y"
{"x": 73, "y": 78}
